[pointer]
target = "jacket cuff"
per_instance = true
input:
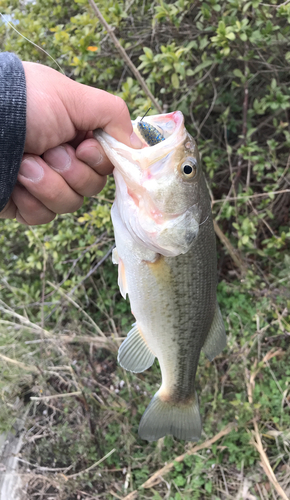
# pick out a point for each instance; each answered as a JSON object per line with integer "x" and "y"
{"x": 12, "y": 122}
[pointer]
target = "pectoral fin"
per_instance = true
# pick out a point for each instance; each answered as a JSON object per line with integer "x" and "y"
{"x": 134, "y": 354}
{"x": 216, "y": 339}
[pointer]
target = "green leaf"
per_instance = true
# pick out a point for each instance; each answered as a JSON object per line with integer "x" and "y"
{"x": 180, "y": 480}
{"x": 273, "y": 84}
{"x": 148, "y": 53}
{"x": 192, "y": 45}
{"x": 203, "y": 42}
{"x": 208, "y": 487}
{"x": 202, "y": 65}
{"x": 175, "y": 80}
{"x": 231, "y": 35}
{"x": 167, "y": 67}
{"x": 245, "y": 239}
{"x": 237, "y": 72}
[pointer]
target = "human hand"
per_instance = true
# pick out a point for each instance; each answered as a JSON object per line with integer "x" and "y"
{"x": 61, "y": 115}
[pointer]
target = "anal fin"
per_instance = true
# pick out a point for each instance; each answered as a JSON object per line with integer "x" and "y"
{"x": 115, "y": 256}
{"x": 216, "y": 339}
{"x": 122, "y": 281}
{"x": 134, "y": 354}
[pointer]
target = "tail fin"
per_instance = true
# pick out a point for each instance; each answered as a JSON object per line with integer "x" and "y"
{"x": 162, "y": 418}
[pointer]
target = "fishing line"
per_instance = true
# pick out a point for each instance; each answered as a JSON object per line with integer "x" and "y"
{"x": 145, "y": 113}
{"x": 30, "y": 41}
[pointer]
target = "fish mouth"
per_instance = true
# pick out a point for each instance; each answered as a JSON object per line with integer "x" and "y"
{"x": 137, "y": 166}
{"x": 171, "y": 125}
{"x": 158, "y": 207}
{"x": 167, "y": 125}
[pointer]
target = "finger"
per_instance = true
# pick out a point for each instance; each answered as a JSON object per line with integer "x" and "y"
{"x": 68, "y": 108}
{"x": 91, "y": 108}
{"x": 48, "y": 186}
{"x": 29, "y": 210}
{"x": 92, "y": 153}
{"x": 78, "y": 175}
{"x": 9, "y": 211}
{"x": 78, "y": 139}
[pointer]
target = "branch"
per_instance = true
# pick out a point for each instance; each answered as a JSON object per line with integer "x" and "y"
{"x": 28, "y": 368}
{"x": 54, "y": 396}
{"x": 99, "y": 342}
{"x": 125, "y": 56}
{"x": 206, "y": 444}
{"x": 250, "y": 196}
{"x": 232, "y": 251}
{"x": 156, "y": 477}
{"x": 91, "y": 467}
{"x": 257, "y": 442}
{"x": 63, "y": 294}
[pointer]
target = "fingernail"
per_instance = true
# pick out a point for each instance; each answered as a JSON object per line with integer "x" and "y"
{"x": 58, "y": 158}
{"x": 31, "y": 169}
{"x": 135, "y": 141}
{"x": 91, "y": 156}
{"x": 98, "y": 158}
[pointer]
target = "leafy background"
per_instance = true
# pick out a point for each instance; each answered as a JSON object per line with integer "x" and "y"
{"x": 225, "y": 65}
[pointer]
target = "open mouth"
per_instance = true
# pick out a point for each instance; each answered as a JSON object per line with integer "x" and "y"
{"x": 155, "y": 129}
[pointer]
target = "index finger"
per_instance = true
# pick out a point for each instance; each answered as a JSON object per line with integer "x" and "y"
{"x": 91, "y": 108}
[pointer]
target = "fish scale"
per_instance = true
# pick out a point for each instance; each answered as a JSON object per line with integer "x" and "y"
{"x": 204, "y": 299}
{"x": 166, "y": 255}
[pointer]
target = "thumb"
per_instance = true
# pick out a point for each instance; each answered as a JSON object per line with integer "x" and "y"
{"x": 90, "y": 108}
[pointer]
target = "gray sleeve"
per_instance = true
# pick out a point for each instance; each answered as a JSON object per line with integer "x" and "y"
{"x": 12, "y": 122}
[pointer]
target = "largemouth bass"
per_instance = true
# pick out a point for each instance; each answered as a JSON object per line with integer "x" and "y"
{"x": 166, "y": 253}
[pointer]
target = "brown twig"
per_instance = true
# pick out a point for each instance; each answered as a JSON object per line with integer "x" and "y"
{"x": 99, "y": 342}
{"x": 257, "y": 442}
{"x": 232, "y": 251}
{"x": 256, "y": 129}
{"x": 28, "y": 368}
{"x": 115, "y": 495}
{"x": 75, "y": 261}
{"x": 91, "y": 467}
{"x": 229, "y": 153}
{"x": 244, "y": 130}
{"x": 54, "y": 396}
{"x": 210, "y": 108}
{"x": 125, "y": 56}
{"x": 23, "y": 320}
{"x": 132, "y": 496}
{"x": 246, "y": 196}
{"x": 93, "y": 270}
{"x": 245, "y": 108}
{"x": 275, "y": 6}
{"x": 66, "y": 295}
{"x": 157, "y": 476}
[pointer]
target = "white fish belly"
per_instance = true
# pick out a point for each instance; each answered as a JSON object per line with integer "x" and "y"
{"x": 173, "y": 300}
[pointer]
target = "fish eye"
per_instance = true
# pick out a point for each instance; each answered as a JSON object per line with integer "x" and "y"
{"x": 189, "y": 169}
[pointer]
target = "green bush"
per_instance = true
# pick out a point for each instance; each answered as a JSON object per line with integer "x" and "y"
{"x": 225, "y": 65}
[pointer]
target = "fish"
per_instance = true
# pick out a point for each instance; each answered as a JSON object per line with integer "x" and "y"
{"x": 166, "y": 257}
